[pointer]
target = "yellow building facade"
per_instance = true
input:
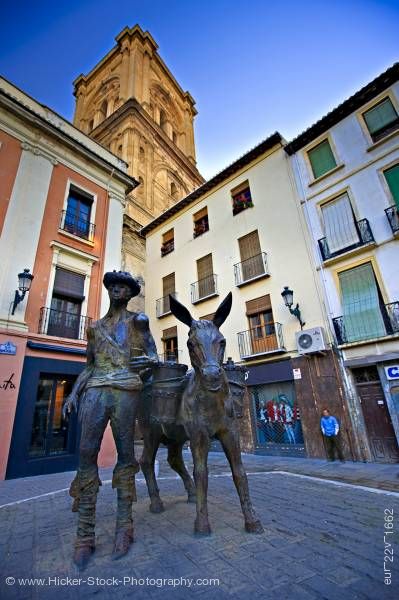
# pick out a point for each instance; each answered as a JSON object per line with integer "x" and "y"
{"x": 243, "y": 231}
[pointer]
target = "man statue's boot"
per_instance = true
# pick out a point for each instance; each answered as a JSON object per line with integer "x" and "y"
{"x": 124, "y": 523}
{"x": 85, "y": 538}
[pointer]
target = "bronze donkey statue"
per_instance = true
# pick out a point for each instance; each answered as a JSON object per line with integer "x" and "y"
{"x": 205, "y": 412}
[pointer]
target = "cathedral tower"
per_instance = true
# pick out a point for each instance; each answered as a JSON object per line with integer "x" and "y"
{"x": 131, "y": 104}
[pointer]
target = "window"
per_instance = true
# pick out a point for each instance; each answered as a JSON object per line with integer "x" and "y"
{"x": 252, "y": 263}
{"x": 206, "y": 280}
{"x": 321, "y": 159}
{"x": 363, "y": 312}
{"x": 241, "y": 197}
{"x": 170, "y": 346}
{"x": 77, "y": 215}
{"x": 168, "y": 242}
{"x": 63, "y": 318}
{"x": 162, "y": 119}
{"x": 261, "y": 324}
{"x": 51, "y": 433}
{"x": 103, "y": 110}
{"x": 201, "y": 222}
{"x": 168, "y": 287}
{"x": 174, "y": 192}
{"x": 392, "y": 177}
{"x": 381, "y": 120}
{"x": 339, "y": 224}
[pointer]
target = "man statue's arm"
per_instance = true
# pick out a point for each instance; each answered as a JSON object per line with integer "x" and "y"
{"x": 80, "y": 384}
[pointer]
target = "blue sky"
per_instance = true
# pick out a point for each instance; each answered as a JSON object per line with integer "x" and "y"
{"x": 253, "y": 67}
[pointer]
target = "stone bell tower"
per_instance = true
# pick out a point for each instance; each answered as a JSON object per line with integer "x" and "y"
{"x": 131, "y": 104}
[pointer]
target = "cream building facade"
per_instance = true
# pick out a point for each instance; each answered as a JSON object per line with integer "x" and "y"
{"x": 243, "y": 231}
{"x": 346, "y": 170}
{"x": 131, "y": 104}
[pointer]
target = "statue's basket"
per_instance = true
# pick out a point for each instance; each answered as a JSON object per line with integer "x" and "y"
{"x": 167, "y": 386}
{"x": 236, "y": 378}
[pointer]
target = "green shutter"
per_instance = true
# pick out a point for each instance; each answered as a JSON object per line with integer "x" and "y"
{"x": 392, "y": 177}
{"x": 361, "y": 304}
{"x": 322, "y": 159}
{"x": 380, "y": 116}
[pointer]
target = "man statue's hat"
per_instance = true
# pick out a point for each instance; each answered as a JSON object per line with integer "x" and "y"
{"x": 122, "y": 277}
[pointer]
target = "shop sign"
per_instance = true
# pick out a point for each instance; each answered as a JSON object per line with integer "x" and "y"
{"x": 8, "y": 348}
{"x": 392, "y": 372}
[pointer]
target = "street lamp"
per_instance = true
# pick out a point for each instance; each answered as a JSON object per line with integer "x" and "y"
{"x": 24, "y": 283}
{"x": 288, "y": 296}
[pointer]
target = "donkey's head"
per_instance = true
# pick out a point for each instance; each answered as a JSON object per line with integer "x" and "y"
{"x": 205, "y": 342}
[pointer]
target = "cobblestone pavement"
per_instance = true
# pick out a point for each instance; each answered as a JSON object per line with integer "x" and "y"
{"x": 321, "y": 540}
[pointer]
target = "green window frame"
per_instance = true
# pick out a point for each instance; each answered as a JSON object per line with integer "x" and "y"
{"x": 322, "y": 159}
{"x": 392, "y": 178}
{"x": 381, "y": 119}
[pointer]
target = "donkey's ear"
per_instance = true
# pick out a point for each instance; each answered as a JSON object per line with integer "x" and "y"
{"x": 181, "y": 312}
{"x": 223, "y": 310}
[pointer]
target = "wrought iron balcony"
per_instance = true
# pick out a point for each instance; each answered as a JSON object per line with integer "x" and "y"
{"x": 392, "y": 214}
{"x": 163, "y": 305}
{"x": 170, "y": 356}
{"x": 359, "y": 326}
{"x": 251, "y": 269}
{"x": 365, "y": 236}
{"x": 264, "y": 339}
{"x": 79, "y": 227}
{"x": 167, "y": 247}
{"x": 63, "y": 324}
{"x": 204, "y": 288}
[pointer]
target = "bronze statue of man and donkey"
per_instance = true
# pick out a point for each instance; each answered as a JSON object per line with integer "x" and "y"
{"x": 124, "y": 380}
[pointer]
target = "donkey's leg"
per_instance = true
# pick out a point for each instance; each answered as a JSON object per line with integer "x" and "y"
{"x": 199, "y": 447}
{"x": 151, "y": 438}
{"x": 231, "y": 446}
{"x": 175, "y": 460}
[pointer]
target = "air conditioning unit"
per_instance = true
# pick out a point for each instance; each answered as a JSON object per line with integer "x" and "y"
{"x": 309, "y": 341}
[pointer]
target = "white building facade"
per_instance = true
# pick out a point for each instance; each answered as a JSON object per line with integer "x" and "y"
{"x": 346, "y": 169}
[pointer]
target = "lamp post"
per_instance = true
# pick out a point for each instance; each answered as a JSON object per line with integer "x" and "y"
{"x": 24, "y": 283}
{"x": 288, "y": 296}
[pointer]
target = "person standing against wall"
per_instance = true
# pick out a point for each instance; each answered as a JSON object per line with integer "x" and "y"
{"x": 330, "y": 429}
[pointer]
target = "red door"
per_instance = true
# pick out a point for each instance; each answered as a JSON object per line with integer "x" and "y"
{"x": 378, "y": 422}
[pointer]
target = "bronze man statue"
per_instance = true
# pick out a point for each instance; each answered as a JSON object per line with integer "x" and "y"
{"x": 120, "y": 349}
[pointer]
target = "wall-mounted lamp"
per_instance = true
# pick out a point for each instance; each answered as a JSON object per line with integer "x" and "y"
{"x": 288, "y": 296}
{"x": 24, "y": 283}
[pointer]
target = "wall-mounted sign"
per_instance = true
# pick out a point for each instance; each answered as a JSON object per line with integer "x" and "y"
{"x": 297, "y": 373}
{"x": 392, "y": 372}
{"x": 8, "y": 348}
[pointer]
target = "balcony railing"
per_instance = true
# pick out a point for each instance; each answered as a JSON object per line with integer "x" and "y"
{"x": 368, "y": 324}
{"x": 392, "y": 214}
{"x": 163, "y": 305}
{"x": 365, "y": 236}
{"x": 63, "y": 324}
{"x": 265, "y": 339}
{"x": 79, "y": 227}
{"x": 204, "y": 288}
{"x": 167, "y": 247}
{"x": 251, "y": 268}
{"x": 170, "y": 356}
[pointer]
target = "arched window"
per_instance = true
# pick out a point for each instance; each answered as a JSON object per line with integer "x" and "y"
{"x": 103, "y": 110}
{"x": 173, "y": 190}
{"x": 162, "y": 119}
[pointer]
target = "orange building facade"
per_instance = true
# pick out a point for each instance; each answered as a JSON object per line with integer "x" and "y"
{"x": 62, "y": 200}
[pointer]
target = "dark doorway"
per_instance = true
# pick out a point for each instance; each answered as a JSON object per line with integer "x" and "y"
{"x": 42, "y": 441}
{"x": 376, "y": 415}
